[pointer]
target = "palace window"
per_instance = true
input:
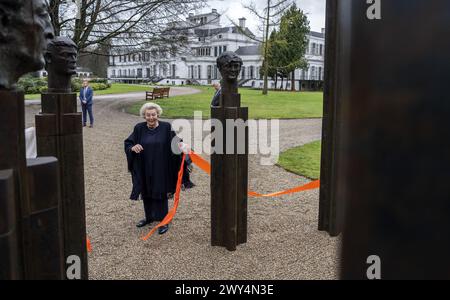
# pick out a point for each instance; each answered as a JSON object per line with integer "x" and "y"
{"x": 209, "y": 72}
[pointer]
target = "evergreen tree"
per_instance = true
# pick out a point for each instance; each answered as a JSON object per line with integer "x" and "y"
{"x": 269, "y": 16}
{"x": 294, "y": 28}
{"x": 278, "y": 58}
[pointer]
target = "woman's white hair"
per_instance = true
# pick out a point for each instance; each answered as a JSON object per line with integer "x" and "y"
{"x": 148, "y": 106}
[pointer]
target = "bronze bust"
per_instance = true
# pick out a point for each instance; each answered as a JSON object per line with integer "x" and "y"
{"x": 229, "y": 65}
{"x": 25, "y": 30}
{"x": 61, "y": 64}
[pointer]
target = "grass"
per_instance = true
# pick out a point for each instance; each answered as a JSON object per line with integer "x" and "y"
{"x": 116, "y": 88}
{"x": 276, "y": 105}
{"x": 304, "y": 160}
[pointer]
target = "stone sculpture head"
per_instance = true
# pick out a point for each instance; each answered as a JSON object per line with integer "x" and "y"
{"x": 25, "y": 30}
{"x": 61, "y": 56}
{"x": 61, "y": 64}
{"x": 229, "y": 65}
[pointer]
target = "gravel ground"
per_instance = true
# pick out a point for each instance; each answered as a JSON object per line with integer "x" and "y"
{"x": 283, "y": 240}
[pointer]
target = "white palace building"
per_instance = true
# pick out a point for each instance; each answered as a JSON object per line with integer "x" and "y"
{"x": 197, "y": 64}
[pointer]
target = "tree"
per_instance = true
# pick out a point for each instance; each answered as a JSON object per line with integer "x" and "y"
{"x": 269, "y": 16}
{"x": 97, "y": 61}
{"x": 277, "y": 54}
{"x": 294, "y": 28}
{"x": 128, "y": 24}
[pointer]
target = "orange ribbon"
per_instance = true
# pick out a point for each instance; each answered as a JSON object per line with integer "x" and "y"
{"x": 173, "y": 211}
{"x": 200, "y": 162}
{"x": 88, "y": 245}
{"x": 206, "y": 167}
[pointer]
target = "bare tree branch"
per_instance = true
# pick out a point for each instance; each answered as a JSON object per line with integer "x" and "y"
{"x": 113, "y": 21}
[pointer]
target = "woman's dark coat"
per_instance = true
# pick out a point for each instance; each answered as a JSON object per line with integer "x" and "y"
{"x": 167, "y": 165}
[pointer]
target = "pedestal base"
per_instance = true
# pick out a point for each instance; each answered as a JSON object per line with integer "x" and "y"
{"x": 229, "y": 186}
{"x": 59, "y": 133}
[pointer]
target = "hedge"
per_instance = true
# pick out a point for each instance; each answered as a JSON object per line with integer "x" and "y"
{"x": 35, "y": 85}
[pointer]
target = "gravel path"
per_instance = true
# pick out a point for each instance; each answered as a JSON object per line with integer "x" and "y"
{"x": 283, "y": 241}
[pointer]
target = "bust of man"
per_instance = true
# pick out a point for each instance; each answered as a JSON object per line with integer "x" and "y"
{"x": 61, "y": 64}
{"x": 229, "y": 65}
{"x": 25, "y": 30}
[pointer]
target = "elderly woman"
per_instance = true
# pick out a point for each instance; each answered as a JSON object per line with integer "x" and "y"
{"x": 154, "y": 163}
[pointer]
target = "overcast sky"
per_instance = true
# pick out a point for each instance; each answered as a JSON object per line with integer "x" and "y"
{"x": 315, "y": 9}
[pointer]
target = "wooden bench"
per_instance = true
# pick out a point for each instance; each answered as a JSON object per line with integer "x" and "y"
{"x": 157, "y": 93}
{"x": 166, "y": 92}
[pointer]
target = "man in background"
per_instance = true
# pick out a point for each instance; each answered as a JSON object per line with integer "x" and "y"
{"x": 216, "y": 99}
{"x": 86, "y": 95}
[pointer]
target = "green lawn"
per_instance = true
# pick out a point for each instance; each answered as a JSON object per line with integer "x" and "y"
{"x": 276, "y": 105}
{"x": 116, "y": 88}
{"x": 304, "y": 160}
{"x": 32, "y": 96}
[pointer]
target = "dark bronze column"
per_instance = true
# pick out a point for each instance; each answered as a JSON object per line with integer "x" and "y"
{"x": 391, "y": 150}
{"x": 229, "y": 171}
{"x": 45, "y": 219}
{"x": 60, "y": 134}
{"x": 25, "y": 33}
{"x": 337, "y": 56}
{"x": 10, "y": 250}
{"x": 14, "y": 198}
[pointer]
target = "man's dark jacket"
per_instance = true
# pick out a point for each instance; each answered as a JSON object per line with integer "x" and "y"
{"x": 216, "y": 99}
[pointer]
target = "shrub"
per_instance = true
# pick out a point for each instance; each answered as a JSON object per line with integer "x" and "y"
{"x": 98, "y": 86}
{"x": 35, "y": 85}
{"x": 76, "y": 84}
{"x": 31, "y": 85}
{"x": 99, "y": 80}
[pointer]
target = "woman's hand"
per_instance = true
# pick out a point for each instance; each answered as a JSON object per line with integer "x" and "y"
{"x": 184, "y": 148}
{"x": 137, "y": 149}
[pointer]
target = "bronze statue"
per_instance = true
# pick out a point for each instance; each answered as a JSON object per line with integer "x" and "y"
{"x": 61, "y": 64}
{"x": 25, "y": 30}
{"x": 229, "y": 65}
